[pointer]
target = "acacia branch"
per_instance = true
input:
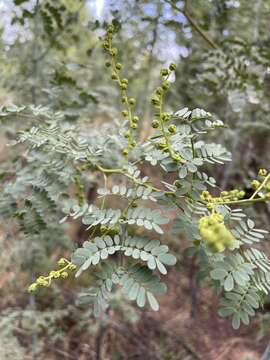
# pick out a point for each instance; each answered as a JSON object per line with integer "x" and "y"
{"x": 193, "y": 23}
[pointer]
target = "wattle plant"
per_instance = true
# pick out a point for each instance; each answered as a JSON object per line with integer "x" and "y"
{"x": 126, "y": 243}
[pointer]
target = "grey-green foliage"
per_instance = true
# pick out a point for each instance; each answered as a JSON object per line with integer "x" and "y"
{"x": 241, "y": 275}
{"x": 138, "y": 283}
{"x": 58, "y": 153}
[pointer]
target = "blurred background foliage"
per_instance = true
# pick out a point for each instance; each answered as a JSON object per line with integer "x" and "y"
{"x": 51, "y": 55}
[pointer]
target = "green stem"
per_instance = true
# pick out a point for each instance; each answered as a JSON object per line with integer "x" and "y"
{"x": 136, "y": 181}
{"x": 261, "y": 186}
{"x": 241, "y": 202}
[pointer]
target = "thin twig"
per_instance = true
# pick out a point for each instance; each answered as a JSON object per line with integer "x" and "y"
{"x": 194, "y": 24}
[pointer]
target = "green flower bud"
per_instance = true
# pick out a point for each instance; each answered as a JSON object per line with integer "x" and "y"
{"x": 114, "y": 52}
{"x": 155, "y": 124}
{"x": 61, "y": 262}
{"x": 123, "y": 86}
{"x": 132, "y": 144}
{"x": 114, "y": 76}
{"x": 72, "y": 267}
{"x": 33, "y": 287}
{"x": 165, "y": 85}
{"x": 172, "y": 66}
{"x": 64, "y": 274}
{"x": 103, "y": 229}
{"x": 241, "y": 194}
{"x": 159, "y": 91}
{"x": 124, "y": 81}
{"x": 110, "y": 29}
{"x": 155, "y": 100}
{"x": 125, "y": 152}
{"x": 125, "y": 113}
{"x": 161, "y": 145}
{"x": 262, "y": 172}
{"x": 124, "y": 100}
{"x": 132, "y": 101}
{"x": 127, "y": 134}
{"x": 106, "y": 45}
{"x": 255, "y": 184}
{"x": 135, "y": 119}
{"x": 210, "y": 206}
{"x": 172, "y": 129}
{"x": 134, "y": 126}
{"x": 165, "y": 116}
{"x": 118, "y": 66}
{"x": 107, "y": 63}
{"x": 164, "y": 72}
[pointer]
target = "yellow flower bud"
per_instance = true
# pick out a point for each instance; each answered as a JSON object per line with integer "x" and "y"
{"x": 262, "y": 172}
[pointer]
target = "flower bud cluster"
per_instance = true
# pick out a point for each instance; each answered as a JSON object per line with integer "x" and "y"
{"x": 161, "y": 117}
{"x": 128, "y": 103}
{"x": 214, "y": 233}
{"x": 225, "y": 197}
{"x": 54, "y": 274}
{"x": 262, "y": 186}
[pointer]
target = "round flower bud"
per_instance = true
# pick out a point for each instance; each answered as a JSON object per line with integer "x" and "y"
{"x": 161, "y": 145}
{"x": 159, "y": 91}
{"x": 125, "y": 113}
{"x": 172, "y": 129}
{"x": 105, "y": 45}
{"x": 124, "y": 100}
{"x": 123, "y": 86}
{"x": 172, "y": 66}
{"x": 134, "y": 126}
{"x": 64, "y": 274}
{"x": 155, "y": 100}
{"x": 72, "y": 267}
{"x": 118, "y": 66}
{"x": 135, "y": 119}
{"x": 164, "y": 72}
{"x": 114, "y": 52}
{"x": 127, "y": 134}
{"x": 61, "y": 262}
{"x": 125, "y": 152}
{"x": 255, "y": 184}
{"x": 165, "y": 85}
{"x": 132, "y": 101}
{"x": 165, "y": 116}
{"x": 114, "y": 76}
{"x": 262, "y": 172}
{"x": 33, "y": 287}
{"x": 107, "y": 64}
{"x": 241, "y": 194}
{"x": 103, "y": 229}
{"x": 132, "y": 144}
{"x": 110, "y": 29}
{"x": 155, "y": 124}
{"x": 210, "y": 206}
{"x": 53, "y": 274}
{"x": 124, "y": 81}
